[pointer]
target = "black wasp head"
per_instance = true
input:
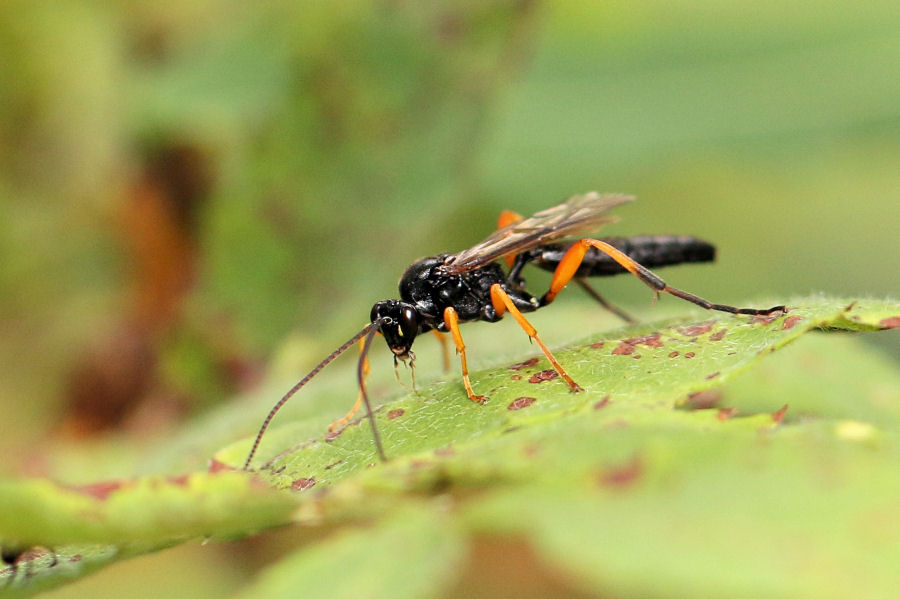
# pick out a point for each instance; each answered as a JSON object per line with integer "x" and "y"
{"x": 399, "y": 323}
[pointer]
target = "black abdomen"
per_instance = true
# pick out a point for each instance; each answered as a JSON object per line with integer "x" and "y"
{"x": 649, "y": 250}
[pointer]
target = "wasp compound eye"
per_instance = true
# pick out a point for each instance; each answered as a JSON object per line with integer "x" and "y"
{"x": 409, "y": 322}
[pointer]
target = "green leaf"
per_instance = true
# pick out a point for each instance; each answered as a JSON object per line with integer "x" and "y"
{"x": 639, "y": 371}
{"x": 830, "y": 377}
{"x": 124, "y": 518}
{"x": 639, "y": 485}
{"x": 40, "y": 568}
{"x": 692, "y": 460}
{"x": 735, "y": 517}
{"x": 145, "y": 510}
{"x": 412, "y": 555}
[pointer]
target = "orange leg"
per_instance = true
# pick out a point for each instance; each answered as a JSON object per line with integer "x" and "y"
{"x": 444, "y": 351}
{"x": 506, "y": 218}
{"x": 342, "y": 422}
{"x": 573, "y": 257}
{"x": 451, "y": 321}
{"x": 502, "y": 302}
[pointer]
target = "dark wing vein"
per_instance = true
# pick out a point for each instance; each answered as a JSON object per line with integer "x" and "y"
{"x": 577, "y": 214}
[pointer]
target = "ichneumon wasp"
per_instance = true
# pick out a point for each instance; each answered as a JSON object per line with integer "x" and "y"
{"x": 438, "y": 293}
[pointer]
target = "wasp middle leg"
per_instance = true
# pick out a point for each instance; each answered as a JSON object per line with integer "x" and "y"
{"x": 502, "y": 302}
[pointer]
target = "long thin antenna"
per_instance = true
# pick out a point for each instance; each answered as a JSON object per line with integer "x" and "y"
{"x": 369, "y": 330}
{"x": 361, "y": 375}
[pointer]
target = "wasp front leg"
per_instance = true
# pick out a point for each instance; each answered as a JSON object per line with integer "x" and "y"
{"x": 340, "y": 423}
{"x": 451, "y": 322}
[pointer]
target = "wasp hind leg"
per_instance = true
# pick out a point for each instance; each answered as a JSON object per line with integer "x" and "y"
{"x": 605, "y": 302}
{"x": 567, "y": 267}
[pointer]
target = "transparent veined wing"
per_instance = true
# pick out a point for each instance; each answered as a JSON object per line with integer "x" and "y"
{"x": 577, "y": 214}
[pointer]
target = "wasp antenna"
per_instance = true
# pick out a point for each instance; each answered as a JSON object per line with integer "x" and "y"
{"x": 361, "y": 376}
{"x": 369, "y": 330}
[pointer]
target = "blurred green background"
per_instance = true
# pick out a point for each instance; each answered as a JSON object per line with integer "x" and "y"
{"x": 185, "y": 184}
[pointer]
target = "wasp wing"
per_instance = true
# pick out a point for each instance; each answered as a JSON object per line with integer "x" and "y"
{"x": 577, "y": 214}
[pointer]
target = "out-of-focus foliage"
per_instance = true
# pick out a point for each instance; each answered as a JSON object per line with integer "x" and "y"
{"x": 184, "y": 182}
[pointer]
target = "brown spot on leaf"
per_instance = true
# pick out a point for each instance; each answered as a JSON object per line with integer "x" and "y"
{"x": 525, "y": 364}
{"x": 598, "y": 345}
{"x": 709, "y": 377}
{"x": 332, "y": 435}
{"x": 890, "y": 323}
{"x": 718, "y": 335}
{"x": 101, "y": 490}
{"x": 544, "y": 375}
{"x": 652, "y": 340}
{"x": 516, "y": 377}
{"x": 704, "y": 400}
{"x": 636, "y": 356}
{"x": 627, "y": 346}
{"x": 602, "y": 403}
{"x": 697, "y": 329}
{"x": 778, "y": 416}
{"x": 689, "y": 355}
{"x": 444, "y": 451}
{"x": 521, "y": 402}
{"x": 727, "y": 413}
{"x": 302, "y": 484}
{"x": 673, "y": 354}
{"x": 530, "y": 450}
{"x": 334, "y": 464}
{"x": 76, "y": 558}
{"x": 217, "y": 466}
{"x": 790, "y": 321}
{"x": 765, "y": 318}
{"x": 851, "y": 306}
{"x": 180, "y": 480}
{"x": 623, "y": 349}
{"x": 395, "y": 413}
{"x": 623, "y": 475}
